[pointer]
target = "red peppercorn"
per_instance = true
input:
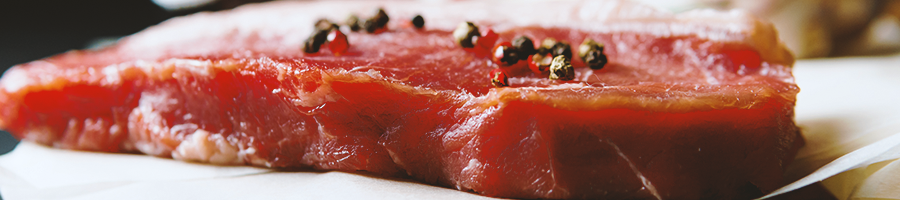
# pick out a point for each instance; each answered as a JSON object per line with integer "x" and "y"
{"x": 487, "y": 39}
{"x": 499, "y": 78}
{"x": 540, "y": 63}
{"x": 337, "y": 42}
{"x": 505, "y": 54}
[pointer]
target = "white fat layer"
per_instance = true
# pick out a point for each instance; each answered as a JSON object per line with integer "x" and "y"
{"x": 112, "y": 75}
{"x": 472, "y": 171}
{"x": 324, "y": 93}
{"x": 15, "y": 79}
{"x": 40, "y": 134}
{"x": 147, "y": 127}
{"x": 150, "y": 133}
{"x": 202, "y": 146}
{"x": 248, "y": 154}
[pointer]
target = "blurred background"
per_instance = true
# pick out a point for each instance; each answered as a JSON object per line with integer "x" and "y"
{"x": 818, "y": 28}
{"x": 34, "y": 29}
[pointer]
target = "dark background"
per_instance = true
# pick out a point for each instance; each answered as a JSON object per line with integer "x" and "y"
{"x": 35, "y": 29}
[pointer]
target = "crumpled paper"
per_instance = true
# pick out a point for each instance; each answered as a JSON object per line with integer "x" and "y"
{"x": 845, "y": 105}
{"x": 849, "y": 110}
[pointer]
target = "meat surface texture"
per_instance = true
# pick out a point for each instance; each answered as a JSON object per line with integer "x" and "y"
{"x": 697, "y": 105}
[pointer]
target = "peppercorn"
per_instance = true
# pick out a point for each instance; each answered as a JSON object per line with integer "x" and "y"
{"x": 561, "y": 69}
{"x": 353, "y": 22}
{"x": 418, "y": 21}
{"x": 370, "y": 26}
{"x": 540, "y": 63}
{"x": 381, "y": 17}
{"x": 499, "y": 78}
{"x": 561, "y": 48}
{"x": 377, "y": 22}
{"x": 315, "y": 41}
{"x": 546, "y": 45}
{"x": 487, "y": 39}
{"x": 591, "y": 53}
{"x": 505, "y": 54}
{"x": 464, "y": 34}
{"x": 586, "y": 46}
{"x": 525, "y": 46}
{"x": 337, "y": 42}
{"x": 595, "y": 59}
{"x": 548, "y": 42}
{"x": 325, "y": 24}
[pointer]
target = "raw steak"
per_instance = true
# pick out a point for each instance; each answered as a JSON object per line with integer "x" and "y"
{"x": 697, "y": 105}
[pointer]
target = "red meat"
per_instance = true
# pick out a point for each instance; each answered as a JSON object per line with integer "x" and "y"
{"x": 691, "y": 106}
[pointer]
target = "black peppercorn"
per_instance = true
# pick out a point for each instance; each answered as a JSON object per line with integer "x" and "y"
{"x": 561, "y": 48}
{"x": 591, "y": 53}
{"x": 525, "y": 46}
{"x": 381, "y": 17}
{"x": 324, "y": 24}
{"x": 315, "y": 41}
{"x": 353, "y": 23}
{"x": 370, "y": 26}
{"x": 595, "y": 59}
{"x": 505, "y": 55}
{"x": 561, "y": 69}
{"x": 465, "y": 33}
{"x": 376, "y": 22}
{"x": 418, "y": 21}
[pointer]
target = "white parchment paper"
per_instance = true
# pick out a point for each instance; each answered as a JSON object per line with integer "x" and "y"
{"x": 33, "y": 171}
{"x": 849, "y": 111}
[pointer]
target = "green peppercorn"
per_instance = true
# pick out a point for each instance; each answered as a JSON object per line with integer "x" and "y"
{"x": 561, "y": 69}
{"x": 465, "y": 33}
{"x": 418, "y": 21}
{"x": 353, "y": 23}
{"x": 525, "y": 46}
